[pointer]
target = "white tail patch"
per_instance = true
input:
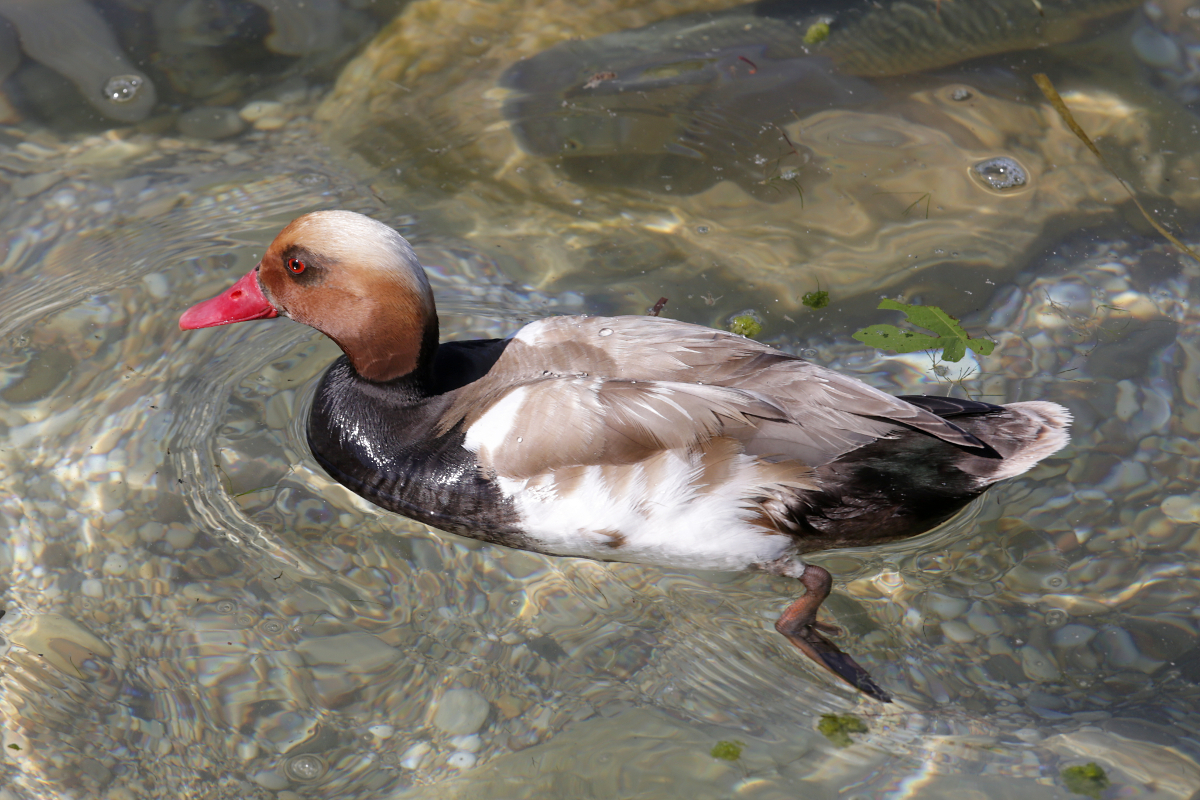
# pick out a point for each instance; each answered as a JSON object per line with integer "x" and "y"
{"x": 1048, "y": 433}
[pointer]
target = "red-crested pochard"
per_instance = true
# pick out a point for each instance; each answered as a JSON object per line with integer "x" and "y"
{"x": 619, "y": 438}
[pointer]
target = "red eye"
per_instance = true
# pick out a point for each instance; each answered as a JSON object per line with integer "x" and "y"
{"x": 296, "y": 265}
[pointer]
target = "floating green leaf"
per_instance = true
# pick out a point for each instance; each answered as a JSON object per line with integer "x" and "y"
{"x": 14, "y": 747}
{"x": 727, "y": 750}
{"x": 947, "y": 333}
{"x": 838, "y": 727}
{"x": 1088, "y": 779}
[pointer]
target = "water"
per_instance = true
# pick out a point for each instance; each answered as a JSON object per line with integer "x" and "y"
{"x": 195, "y": 609}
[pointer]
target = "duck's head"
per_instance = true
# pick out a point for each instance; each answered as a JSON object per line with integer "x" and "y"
{"x": 352, "y": 278}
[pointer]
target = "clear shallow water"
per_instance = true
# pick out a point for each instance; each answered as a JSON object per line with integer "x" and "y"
{"x": 195, "y": 609}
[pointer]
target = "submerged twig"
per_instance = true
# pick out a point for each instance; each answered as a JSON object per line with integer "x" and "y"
{"x": 1043, "y": 82}
{"x": 926, "y": 197}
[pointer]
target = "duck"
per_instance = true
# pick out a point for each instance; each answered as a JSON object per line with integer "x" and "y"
{"x": 625, "y": 438}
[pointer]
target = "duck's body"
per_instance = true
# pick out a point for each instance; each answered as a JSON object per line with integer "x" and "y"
{"x": 620, "y": 438}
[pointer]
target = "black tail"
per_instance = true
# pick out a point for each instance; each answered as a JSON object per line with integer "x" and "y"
{"x": 911, "y": 482}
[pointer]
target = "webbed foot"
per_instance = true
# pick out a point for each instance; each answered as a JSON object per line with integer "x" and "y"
{"x": 798, "y": 623}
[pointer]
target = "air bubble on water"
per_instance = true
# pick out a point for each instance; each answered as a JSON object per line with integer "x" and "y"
{"x": 305, "y": 768}
{"x": 123, "y": 88}
{"x": 1001, "y": 173}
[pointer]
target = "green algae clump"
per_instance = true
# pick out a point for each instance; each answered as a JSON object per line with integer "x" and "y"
{"x": 1088, "y": 779}
{"x": 838, "y": 727}
{"x": 727, "y": 750}
{"x": 745, "y": 324}
{"x": 817, "y": 299}
{"x": 816, "y": 33}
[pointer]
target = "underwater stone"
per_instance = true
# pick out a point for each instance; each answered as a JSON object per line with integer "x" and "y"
{"x": 180, "y": 537}
{"x": 116, "y": 564}
{"x": 1154, "y": 48}
{"x": 982, "y": 622}
{"x": 69, "y": 37}
{"x": 1183, "y": 508}
{"x": 260, "y": 109}
{"x": 300, "y": 27}
{"x": 57, "y": 638}
{"x": 355, "y": 651}
{"x": 381, "y": 731}
{"x": 10, "y": 50}
{"x": 412, "y": 757}
{"x": 151, "y": 531}
{"x": 95, "y": 770}
{"x": 269, "y": 779}
{"x": 1117, "y": 645}
{"x": 1038, "y": 666}
{"x": 460, "y": 712}
{"x": 210, "y": 123}
{"x": 470, "y": 743}
{"x": 958, "y": 632}
{"x": 946, "y": 607}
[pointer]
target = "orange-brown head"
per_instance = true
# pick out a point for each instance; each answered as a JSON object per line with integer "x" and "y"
{"x": 352, "y": 278}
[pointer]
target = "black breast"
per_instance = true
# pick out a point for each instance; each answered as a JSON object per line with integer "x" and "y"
{"x": 379, "y": 441}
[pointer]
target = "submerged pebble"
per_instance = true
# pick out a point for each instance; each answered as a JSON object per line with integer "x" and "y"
{"x": 270, "y": 779}
{"x": 211, "y": 123}
{"x": 1038, "y": 666}
{"x": 179, "y": 537}
{"x": 958, "y": 632}
{"x": 115, "y": 565}
{"x": 261, "y": 109}
{"x": 460, "y": 712}
{"x": 413, "y": 756}
{"x": 1181, "y": 508}
{"x": 946, "y": 607}
{"x": 470, "y": 742}
{"x": 381, "y": 731}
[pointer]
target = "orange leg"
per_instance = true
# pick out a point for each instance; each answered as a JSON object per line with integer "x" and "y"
{"x": 799, "y": 624}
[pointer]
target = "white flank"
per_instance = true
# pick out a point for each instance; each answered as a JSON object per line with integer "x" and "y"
{"x": 490, "y": 432}
{"x": 673, "y": 523}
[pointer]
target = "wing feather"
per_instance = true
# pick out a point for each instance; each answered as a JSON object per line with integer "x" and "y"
{"x": 577, "y": 421}
{"x": 584, "y": 398}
